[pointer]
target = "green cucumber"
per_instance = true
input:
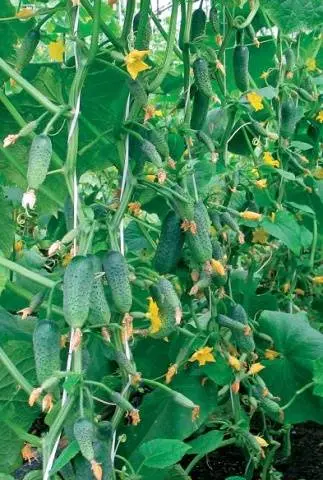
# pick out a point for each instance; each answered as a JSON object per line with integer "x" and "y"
{"x": 170, "y": 244}
{"x": 270, "y": 406}
{"x": 77, "y": 288}
{"x": 217, "y": 250}
{"x": 46, "y": 344}
{"x": 99, "y": 313}
{"x": 199, "y": 111}
{"x": 241, "y": 67}
{"x": 245, "y": 343}
{"x": 228, "y": 322}
{"x": 227, "y": 219}
{"x": 142, "y": 43}
{"x": 290, "y": 59}
{"x": 27, "y": 49}
{"x": 214, "y": 19}
{"x": 202, "y": 77}
{"x": 184, "y": 209}
{"x": 198, "y": 23}
{"x": 216, "y": 220}
{"x": 116, "y": 270}
{"x": 169, "y": 306}
{"x": 138, "y": 92}
{"x": 288, "y": 118}
{"x": 40, "y": 154}
{"x": 304, "y": 95}
{"x": 158, "y": 139}
{"x": 84, "y": 433}
{"x": 208, "y": 142}
{"x": 151, "y": 153}
{"x": 239, "y": 314}
{"x": 200, "y": 243}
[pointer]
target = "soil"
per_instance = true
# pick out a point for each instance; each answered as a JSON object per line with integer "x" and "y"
{"x": 305, "y": 462}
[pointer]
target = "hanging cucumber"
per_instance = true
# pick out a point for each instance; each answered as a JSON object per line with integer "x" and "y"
{"x": 202, "y": 77}
{"x": 200, "y": 243}
{"x": 199, "y": 111}
{"x": 116, "y": 270}
{"x": 290, "y": 62}
{"x": 46, "y": 344}
{"x": 214, "y": 19}
{"x": 198, "y": 23}
{"x": 143, "y": 42}
{"x": 241, "y": 67}
{"x": 40, "y": 154}
{"x": 169, "y": 305}
{"x": 244, "y": 342}
{"x": 227, "y": 219}
{"x": 217, "y": 250}
{"x": 138, "y": 92}
{"x": 157, "y": 138}
{"x": 99, "y": 313}
{"x": 170, "y": 244}
{"x": 77, "y": 288}
{"x": 151, "y": 153}
{"x": 208, "y": 142}
{"x": 27, "y": 49}
{"x": 216, "y": 220}
{"x": 84, "y": 433}
{"x": 288, "y": 117}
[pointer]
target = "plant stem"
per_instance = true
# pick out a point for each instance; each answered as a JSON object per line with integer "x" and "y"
{"x": 22, "y": 292}
{"x": 269, "y": 460}
{"x": 161, "y": 30}
{"x": 297, "y": 393}
{"x": 197, "y": 458}
{"x": 95, "y": 31}
{"x": 14, "y": 372}
{"x": 53, "y": 120}
{"x": 127, "y": 24}
{"x": 36, "y": 277}
{"x": 104, "y": 27}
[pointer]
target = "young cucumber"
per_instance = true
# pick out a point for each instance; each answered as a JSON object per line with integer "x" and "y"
{"x": 200, "y": 242}
{"x": 27, "y": 49}
{"x": 170, "y": 244}
{"x": 138, "y": 92}
{"x": 198, "y": 23}
{"x": 201, "y": 75}
{"x": 199, "y": 111}
{"x": 77, "y": 288}
{"x": 151, "y": 153}
{"x": 46, "y": 344}
{"x": 214, "y": 19}
{"x": 143, "y": 42}
{"x": 40, "y": 154}
{"x": 84, "y": 433}
{"x": 169, "y": 305}
{"x": 158, "y": 139}
{"x": 116, "y": 270}
{"x": 245, "y": 343}
{"x": 287, "y": 118}
{"x": 99, "y": 313}
{"x": 241, "y": 67}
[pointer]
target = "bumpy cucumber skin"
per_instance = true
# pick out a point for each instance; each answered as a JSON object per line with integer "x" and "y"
{"x": 168, "y": 303}
{"x": 214, "y": 19}
{"x": 84, "y": 433}
{"x": 290, "y": 59}
{"x": 27, "y": 49}
{"x": 217, "y": 250}
{"x": 200, "y": 243}
{"x": 151, "y": 153}
{"x": 200, "y": 108}
{"x": 138, "y": 92}
{"x": 202, "y": 78}
{"x": 116, "y": 270}
{"x": 216, "y": 220}
{"x": 208, "y": 142}
{"x": 99, "y": 313}
{"x": 170, "y": 244}
{"x": 144, "y": 43}
{"x": 245, "y": 343}
{"x": 158, "y": 139}
{"x": 239, "y": 314}
{"x": 198, "y": 23}
{"x": 227, "y": 219}
{"x": 287, "y": 118}
{"x": 184, "y": 210}
{"x": 46, "y": 344}
{"x": 40, "y": 154}
{"x": 241, "y": 66}
{"x": 270, "y": 406}
{"x": 77, "y": 288}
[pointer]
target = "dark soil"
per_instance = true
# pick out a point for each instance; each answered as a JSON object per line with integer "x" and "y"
{"x": 305, "y": 462}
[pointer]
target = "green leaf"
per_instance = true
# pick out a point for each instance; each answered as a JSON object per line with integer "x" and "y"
{"x": 294, "y": 15}
{"x": 67, "y": 454}
{"x": 10, "y": 329}
{"x": 301, "y": 145}
{"x": 162, "y": 452}
{"x": 318, "y": 377}
{"x": 219, "y": 371}
{"x": 299, "y": 345}
{"x": 206, "y": 443}
{"x": 7, "y": 228}
{"x": 286, "y": 229}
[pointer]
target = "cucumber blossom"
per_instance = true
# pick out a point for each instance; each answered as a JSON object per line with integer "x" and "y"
{"x": 200, "y": 242}
{"x": 170, "y": 244}
{"x": 151, "y": 153}
{"x": 116, "y": 271}
{"x": 198, "y": 23}
{"x": 99, "y": 313}
{"x": 77, "y": 288}
{"x": 288, "y": 111}
{"x": 46, "y": 345}
{"x": 40, "y": 154}
{"x": 27, "y": 49}
{"x": 159, "y": 141}
{"x": 202, "y": 77}
{"x": 84, "y": 433}
{"x": 200, "y": 109}
{"x": 241, "y": 67}
{"x": 169, "y": 305}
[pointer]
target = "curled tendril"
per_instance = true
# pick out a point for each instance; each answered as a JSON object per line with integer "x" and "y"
{"x": 21, "y": 219}
{"x": 255, "y": 142}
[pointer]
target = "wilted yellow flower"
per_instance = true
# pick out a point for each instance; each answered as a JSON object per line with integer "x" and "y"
{"x": 19, "y": 245}
{"x": 153, "y": 315}
{"x": 25, "y": 312}
{"x": 97, "y": 470}
{"x": 248, "y": 215}
{"x": 265, "y": 75}
{"x": 151, "y": 112}
{"x": 10, "y": 140}
{"x": 203, "y": 356}
{"x": 67, "y": 259}
{"x": 217, "y": 267}
{"x": 300, "y": 292}
{"x": 151, "y": 178}
{"x": 271, "y": 354}
{"x": 269, "y": 160}
{"x": 219, "y": 40}
{"x": 28, "y": 453}
{"x": 255, "y": 101}
{"x": 255, "y": 368}
{"x": 318, "y": 173}
{"x": 134, "y": 62}
{"x": 135, "y": 208}
{"x": 234, "y": 362}
{"x": 47, "y": 403}
{"x": 56, "y": 50}
{"x": 311, "y": 64}
{"x": 261, "y": 184}
{"x": 135, "y": 417}
{"x": 171, "y": 372}
{"x": 319, "y": 116}
{"x": 25, "y": 13}
{"x": 34, "y": 396}
{"x": 318, "y": 280}
{"x": 260, "y": 236}
{"x": 261, "y": 441}
{"x": 286, "y": 287}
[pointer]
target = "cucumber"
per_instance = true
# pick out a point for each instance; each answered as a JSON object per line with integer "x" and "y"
{"x": 157, "y": 138}
{"x": 151, "y": 153}
{"x": 198, "y": 23}
{"x": 290, "y": 60}
{"x": 46, "y": 345}
{"x": 170, "y": 244}
{"x": 227, "y": 219}
{"x": 217, "y": 250}
{"x": 138, "y": 92}
{"x": 228, "y": 322}
{"x": 216, "y": 220}
{"x": 288, "y": 111}
{"x": 239, "y": 314}
{"x": 116, "y": 270}
{"x": 77, "y": 288}
{"x": 201, "y": 75}
{"x": 214, "y": 19}
{"x": 169, "y": 306}
{"x": 199, "y": 111}
{"x": 241, "y": 67}
{"x": 142, "y": 43}
{"x": 184, "y": 209}
{"x": 208, "y": 142}
{"x": 84, "y": 433}
{"x": 40, "y": 154}
{"x": 200, "y": 243}
{"x": 27, "y": 49}
{"x": 99, "y": 313}
{"x": 270, "y": 407}
{"x": 304, "y": 95}
{"x": 245, "y": 343}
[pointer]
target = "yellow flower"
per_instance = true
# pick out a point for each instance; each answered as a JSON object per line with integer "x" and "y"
{"x": 217, "y": 267}
{"x": 261, "y": 441}
{"x": 19, "y": 245}
{"x": 286, "y": 287}
{"x": 261, "y": 184}
{"x": 134, "y": 208}
{"x": 234, "y": 363}
{"x": 25, "y": 13}
{"x": 153, "y": 315}
{"x": 203, "y": 355}
{"x": 260, "y": 236}
{"x": 255, "y": 368}
{"x": 269, "y": 160}
{"x": 171, "y": 372}
{"x": 318, "y": 280}
{"x": 300, "y": 292}
{"x": 255, "y": 101}
{"x": 265, "y": 75}
{"x": 134, "y": 62}
{"x": 151, "y": 112}
{"x": 67, "y": 259}
{"x": 319, "y": 117}
{"x": 255, "y": 172}
{"x": 271, "y": 354}
{"x": 56, "y": 50}
{"x": 311, "y": 64}
{"x": 248, "y": 215}
{"x": 318, "y": 173}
